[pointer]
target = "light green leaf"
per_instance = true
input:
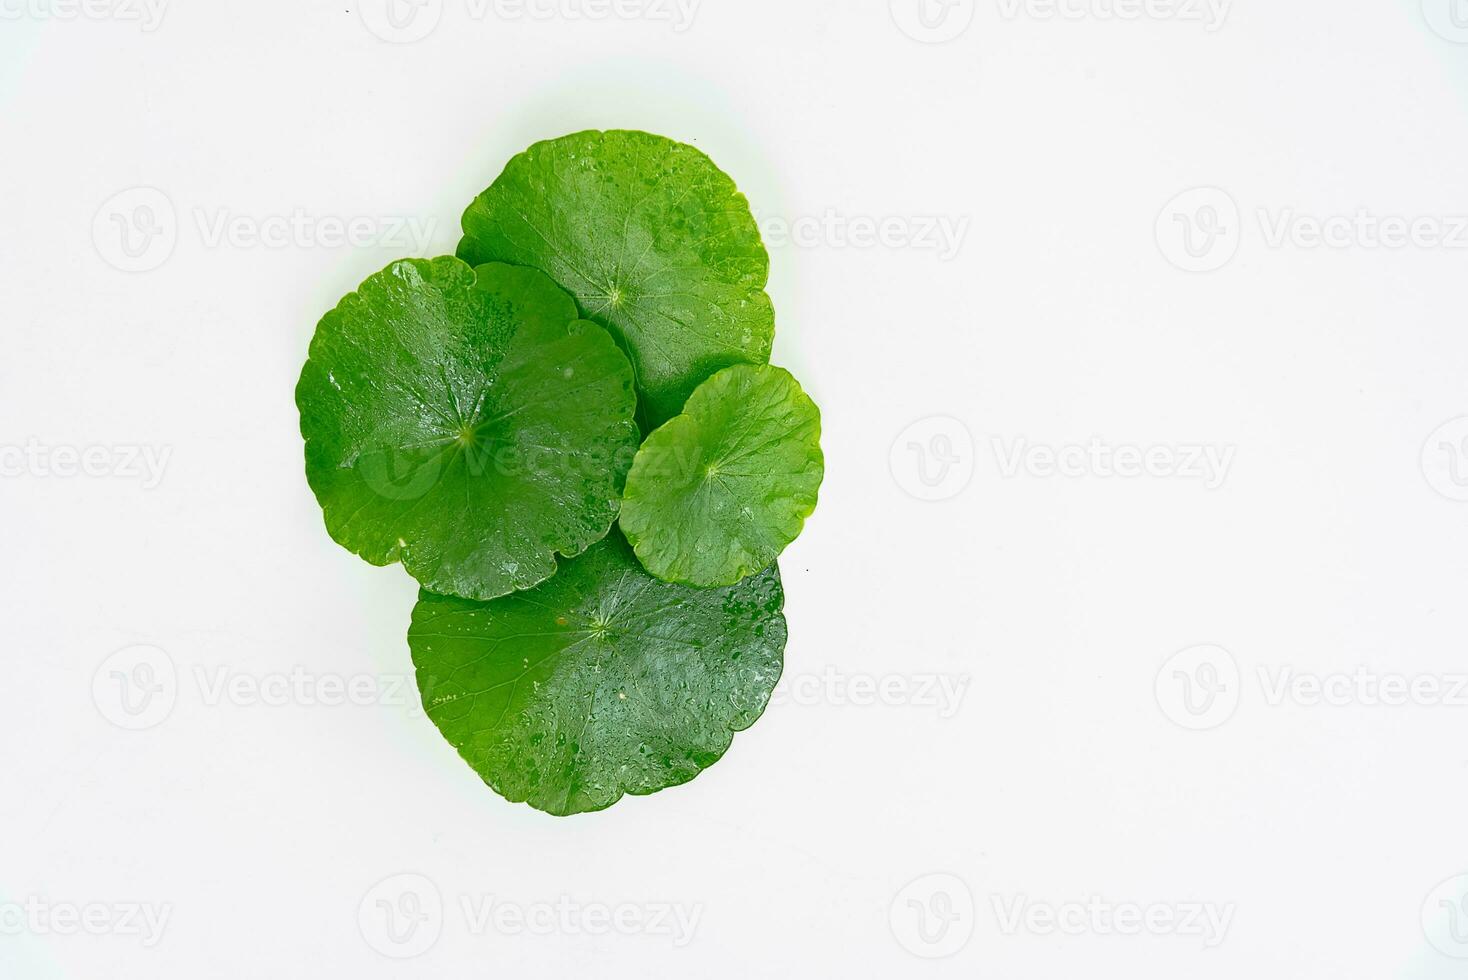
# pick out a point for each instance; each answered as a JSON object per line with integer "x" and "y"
{"x": 654, "y": 241}
{"x": 465, "y": 423}
{"x": 600, "y": 682}
{"x": 719, "y": 492}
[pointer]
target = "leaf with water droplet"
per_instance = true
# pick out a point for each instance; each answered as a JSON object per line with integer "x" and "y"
{"x": 720, "y": 491}
{"x": 641, "y": 683}
{"x": 655, "y": 242}
{"x": 442, "y": 432}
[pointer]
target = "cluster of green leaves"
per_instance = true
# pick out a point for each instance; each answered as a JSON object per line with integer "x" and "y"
{"x": 600, "y": 612}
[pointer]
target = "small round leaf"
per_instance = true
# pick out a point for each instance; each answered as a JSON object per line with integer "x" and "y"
{"x": 465, "y": 423}
{"x": 599, "y": 682}
{"x": 655, "y": 242}
{"x": 718, "y": 492}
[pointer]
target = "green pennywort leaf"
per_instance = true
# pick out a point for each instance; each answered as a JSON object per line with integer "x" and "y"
{"x": 718, "y": 492}
{"x": 600, "y": 682}
{"x": 465, "y": 423}
{"x": 655, "y": 242}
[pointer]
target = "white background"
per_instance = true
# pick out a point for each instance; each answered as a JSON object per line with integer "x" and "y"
{"x": 1068, "y": 771}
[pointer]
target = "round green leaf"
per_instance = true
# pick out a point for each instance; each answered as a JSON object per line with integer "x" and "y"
{"x": 465, "y": 423}
{"x": 600, "y": 682}
{"x": 655, "y": 242}
{"x": 718, "y": 492}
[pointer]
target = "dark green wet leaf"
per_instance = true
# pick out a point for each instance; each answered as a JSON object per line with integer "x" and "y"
{"x": 655, "y": 242}
{"x": 465, "y": 423}
{"x": 719, "y": 492}
{"x": 599, "y": 682}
